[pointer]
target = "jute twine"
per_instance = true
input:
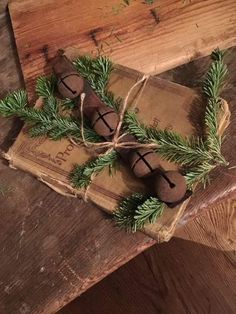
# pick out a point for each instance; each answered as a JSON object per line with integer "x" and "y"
{"x": 116, "y": 140}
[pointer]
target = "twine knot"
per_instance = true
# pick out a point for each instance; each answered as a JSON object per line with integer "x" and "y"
{"x": 116, "y": 140}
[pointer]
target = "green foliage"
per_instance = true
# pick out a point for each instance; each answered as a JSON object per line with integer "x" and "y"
{"x": 81, "y": 175}
{"x": 45, "y": 121}
{"x": 45, "y": 86}
{"x": 135, "y": 127}
{"x": 149, "y": 211}
{"x": 215, "y": 78}
{"x": 69, "y": 104}
{"x": 170, "y": 145}
{"x": 199, "y": 173}
{"x": 17, "y": 101}
{"x": 97, "y": 72}
{"x": 137, "y": 210}
{"x": 212, "y": 88}
{"x": 181, "y": 150}
{"x": 124, "y": 215}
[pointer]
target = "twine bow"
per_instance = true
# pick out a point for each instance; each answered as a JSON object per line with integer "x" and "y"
{"x": 117, "y": 137}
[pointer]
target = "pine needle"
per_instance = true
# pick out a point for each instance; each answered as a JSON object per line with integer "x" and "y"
{"x": 81, "y": 175}
{"x": 14, "y": 102}
{"x": 137, "y": 210}
{"x": 124, "y": 215}
{"x": 199, "y": 173}
{"x": 170, "y": 145}
{"x": 97, "y": 72}
{"x": 45, "y": 86}
{"x": 45, "y": 121}
{"x": 212, "y": 88}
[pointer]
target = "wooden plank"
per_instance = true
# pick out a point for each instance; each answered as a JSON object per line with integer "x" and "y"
{"x": 130, "y": 34}
{"x": 42, "y": 233}
{"x": 49, "y": 253}
{"x": 177, "y": 277}
{"x": 215, "y": 228}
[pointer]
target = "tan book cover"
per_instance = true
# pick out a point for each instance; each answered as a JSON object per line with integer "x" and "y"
{"x": 161, "y": 104}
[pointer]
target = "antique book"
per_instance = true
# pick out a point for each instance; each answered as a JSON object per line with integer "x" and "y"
{"x": 158, "y": 103}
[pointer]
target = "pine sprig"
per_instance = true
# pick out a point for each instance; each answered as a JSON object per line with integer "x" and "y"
{"x": 133, "y": 126}
{"x": 149, "y": 211}
{"x": 45, "y": 86}
{"x": 14, "y": 102}
{"x": 69, "y": 104}
{"x": 97, "y": 72}
{"x": 212, "y": 88}
{"x": 124, "y": 215}
{"x": 45, "y": 121}
{"x": 181, "y": 150}
{"x": 199, "y": 173}
{"x": 215, "y": 78}
{"x": 137, "y": 210}
{"x": 81, "y": 176}
{"x": 170, "y": 145}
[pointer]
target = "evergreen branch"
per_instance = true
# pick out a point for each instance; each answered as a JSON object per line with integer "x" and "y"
{"x": 45, "y": 121}
{"x": 212, "y": 87}
{"x": 170, "y": 145}
{"x": 69, "y": 104}
{"x": 149, "y": 211}
{"x": 215, "y": 78}
{"x": 45, "y": 86}
{"x": 199, "y": 173}
{"x": 124, "y": 215}
{"x": 135, "y": 127}
{"x": 81, "y": 176}
{"x": 51, "y": 106}
{"x": 181, "y": 150}
{"x": 12, "y": 103}
{"x": 40, "y": 129}
{"x": 97, "y": 72}
{"x": 137, "y": 210}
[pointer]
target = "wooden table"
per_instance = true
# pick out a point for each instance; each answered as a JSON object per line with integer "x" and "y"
{"x": 54, "y": 248}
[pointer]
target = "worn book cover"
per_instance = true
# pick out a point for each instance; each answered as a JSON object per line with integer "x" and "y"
{"x": 159, "y": 103}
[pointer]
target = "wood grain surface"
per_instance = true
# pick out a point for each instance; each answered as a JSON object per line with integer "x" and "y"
{"x": 179, "y": 277}
{"x": 54, "y": 248}
{"x": 49, "y": 253}
{"x": 149, "y": 38}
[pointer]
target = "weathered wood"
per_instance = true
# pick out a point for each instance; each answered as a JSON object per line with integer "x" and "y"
{"x": 215, "y": 228}
{"x": 177, "y": 277}
{"x": 54, "y": 248}
{"x": 149, "y": 38}
{"x": 49, "y": 255}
